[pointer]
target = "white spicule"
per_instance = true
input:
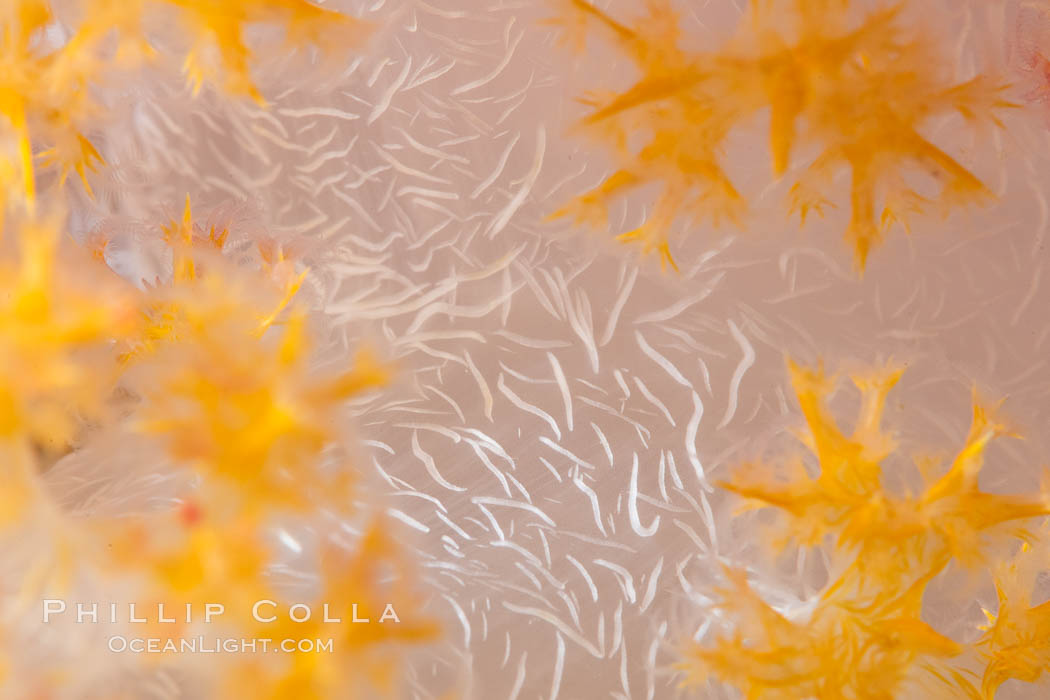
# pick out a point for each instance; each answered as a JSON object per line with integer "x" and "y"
{"x": 564, "y": 411}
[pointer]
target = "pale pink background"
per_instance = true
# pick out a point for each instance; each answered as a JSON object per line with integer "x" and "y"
{"x": 422, "y": 173}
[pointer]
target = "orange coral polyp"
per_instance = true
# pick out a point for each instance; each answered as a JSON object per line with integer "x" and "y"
{"x": 256, "y": 418}
{"x": 848, "y": 496}
{"x": 45, "y": 89}
{"x": 57, "y": 325}
{"x": 860, "y": 92}
{"x": 887, "y": 549}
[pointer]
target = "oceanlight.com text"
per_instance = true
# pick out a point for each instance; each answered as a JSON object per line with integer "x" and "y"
{"x": 205, "y": 645}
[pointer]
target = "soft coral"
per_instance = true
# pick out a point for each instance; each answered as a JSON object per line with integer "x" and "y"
{"x": 864, "y": 636}
{"x": 860, "y": 91}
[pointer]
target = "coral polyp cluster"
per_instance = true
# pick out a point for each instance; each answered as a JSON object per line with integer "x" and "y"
{"x": 857, "y": 88}
{"x": 203, "y": 363}
{"x": 844, "y": 648}
{"x": 59, "y": 316}
{"x": 49, "y": 86}
{"x": 1014, "y": 643}
{"x": 218, "y": 51}
{"x": 300, "y": 399}
{"x": 253, "y": 437}
{"x": 864, "y": 635}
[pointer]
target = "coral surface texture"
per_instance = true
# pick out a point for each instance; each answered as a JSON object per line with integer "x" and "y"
{"x": 524, "y": 349}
